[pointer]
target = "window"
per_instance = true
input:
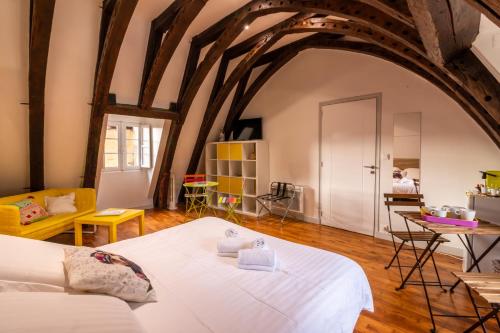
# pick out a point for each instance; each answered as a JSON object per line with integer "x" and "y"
{"x": 112, "y": 147}
{"x": 127, "y": 146}
{"x": 145, "y": 146}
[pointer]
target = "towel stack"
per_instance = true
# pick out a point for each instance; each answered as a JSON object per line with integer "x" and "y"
{"x": 251, "y": 255}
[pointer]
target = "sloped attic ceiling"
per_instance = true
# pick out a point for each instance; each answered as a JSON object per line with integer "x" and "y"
{"x": 178, "y": 51}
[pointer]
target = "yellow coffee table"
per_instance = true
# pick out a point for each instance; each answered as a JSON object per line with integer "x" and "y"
{"x": 109, "y": 221}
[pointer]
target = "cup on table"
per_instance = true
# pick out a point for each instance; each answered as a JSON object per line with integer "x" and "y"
{"x": 452, "y": 212}
{"x": 467, "y": 214}
{"x": 439, "y": 212}
{"x": 429, "y": 209}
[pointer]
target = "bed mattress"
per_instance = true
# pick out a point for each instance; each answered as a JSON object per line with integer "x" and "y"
{"x": 312, "y": 291}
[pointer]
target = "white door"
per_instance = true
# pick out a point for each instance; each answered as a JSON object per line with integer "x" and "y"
{"x": 348, "y": 165}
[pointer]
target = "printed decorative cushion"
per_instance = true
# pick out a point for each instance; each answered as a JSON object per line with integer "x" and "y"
{"x": 101, "y": 272}
{"x": 62, "y": 204}
{"x": 30, "y": 211}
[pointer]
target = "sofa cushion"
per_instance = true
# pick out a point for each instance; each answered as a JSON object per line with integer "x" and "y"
{"x": 61, "y": 204}
{"x": 30, "y": 211}
{"x": 53, "y": 221}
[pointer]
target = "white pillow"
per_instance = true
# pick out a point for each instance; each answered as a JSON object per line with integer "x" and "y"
{"x": 62, "y": 313}
{"x": 102, "y": 272}
{"x": 31, "y": 261}
{"x": 411, "y": 173}
{"x": 60, "y": 205}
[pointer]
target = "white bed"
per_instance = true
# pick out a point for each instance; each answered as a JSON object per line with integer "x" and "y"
{"x": 403, "y": 186}
{"x": 312, "y": 291}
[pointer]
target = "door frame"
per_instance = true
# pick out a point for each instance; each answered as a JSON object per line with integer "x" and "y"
{"x": 378, "y": 116}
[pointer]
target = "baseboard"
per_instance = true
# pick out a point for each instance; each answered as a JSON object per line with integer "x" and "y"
{"x": 297, "y": 216}
{"x": 444, "y": 249}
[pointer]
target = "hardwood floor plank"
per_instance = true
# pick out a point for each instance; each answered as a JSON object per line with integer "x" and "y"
{"x": 395, "y": 311}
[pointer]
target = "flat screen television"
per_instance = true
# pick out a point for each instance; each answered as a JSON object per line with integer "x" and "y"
{"x": 248, "y": 129}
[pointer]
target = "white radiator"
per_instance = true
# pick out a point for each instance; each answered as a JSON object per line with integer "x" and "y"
{"x": 297, "y": 207}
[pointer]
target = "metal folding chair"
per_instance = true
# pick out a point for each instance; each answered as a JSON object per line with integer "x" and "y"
{"x": 280, "y": 192}
{"x": 230, "y": 203}
{"x": 196, "y": 197}
{"x": 407, "y": 237}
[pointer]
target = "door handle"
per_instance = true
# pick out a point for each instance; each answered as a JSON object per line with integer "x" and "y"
{"x": 373, "y": 167}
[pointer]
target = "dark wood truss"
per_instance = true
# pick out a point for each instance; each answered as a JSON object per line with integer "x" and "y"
{"x": 321, "y": 25}
{"x": 490, "y": 8}
{"x": 430, "y": 38}
{"x": 113, "y": 28}
{"x": 158, "y": 56}
{"x": 41, "y": 14}
{"x": 278, "y": 58}
{"x": 225, "y": 31}
{"x": 136, "y": 111}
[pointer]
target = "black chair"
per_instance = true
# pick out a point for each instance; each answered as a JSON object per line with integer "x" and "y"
{"x": 280, "y": 193}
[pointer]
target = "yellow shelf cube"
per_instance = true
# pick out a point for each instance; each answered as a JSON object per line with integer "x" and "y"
{"x": 236, "y": 185}
{"x": 236, "y": 151}
{"x": 223, "y": 184}
{"x": 223, "y": 151}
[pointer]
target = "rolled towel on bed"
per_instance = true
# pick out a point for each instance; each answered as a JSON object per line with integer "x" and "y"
{"x": 258, "y": 259}
{"x": 231, "y": 233}
{"x": 229, "y": 247}
{"x": 259, "y": 243}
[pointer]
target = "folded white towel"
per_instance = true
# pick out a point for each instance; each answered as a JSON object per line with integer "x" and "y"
{"x": 231, "y": 233}
{"x": 229, "y": 247}
{"x": 257, "y": 259}
{"x": 259, "y": 243}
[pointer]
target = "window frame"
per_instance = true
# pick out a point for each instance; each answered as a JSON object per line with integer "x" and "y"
{"x": 122, "y": 147}
{"x": 118, "y": 128}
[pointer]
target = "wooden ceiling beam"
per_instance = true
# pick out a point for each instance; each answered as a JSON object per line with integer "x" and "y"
{"x": 136, "y": 111}
{"x": 490, "y": 8}
{"x": 41, "y": 15}
{"x": 447, "y": 27}
{"x": 225, "y": 31}
{"x": 286, "y": 53}
{"x": 162, "y": 55}
{"x": 309, "y": 25}
{"x": 106, "y": 63}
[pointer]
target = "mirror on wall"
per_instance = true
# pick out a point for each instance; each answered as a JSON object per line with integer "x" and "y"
{"x": 406, "y": 153}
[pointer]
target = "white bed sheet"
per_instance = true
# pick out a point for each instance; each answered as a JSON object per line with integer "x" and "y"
{"x": 313, "y": 290}
{"x": 403, "y": 186}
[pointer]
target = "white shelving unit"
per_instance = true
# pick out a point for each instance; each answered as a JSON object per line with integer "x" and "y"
{"x": 240, "y": 167}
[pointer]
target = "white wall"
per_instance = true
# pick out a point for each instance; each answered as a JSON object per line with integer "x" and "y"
{"x": 69, "y": 82}
{"x": 14, "y": 172}
{"x": 454, "y": 148}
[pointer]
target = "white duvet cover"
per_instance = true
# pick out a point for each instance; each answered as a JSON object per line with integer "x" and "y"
{"x": 312, "y": 291}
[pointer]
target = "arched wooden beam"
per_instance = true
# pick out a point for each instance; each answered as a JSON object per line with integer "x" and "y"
{"x": 159, "y": 26}
{"x": 221, "y": 93}
{"x": 185, "y": 15}
{"x": 283, "y": 55}
{"x": 115, "y": 32}
{"x": 490, "y": 8}
{"x": 395, "y": 8}
{"x": 356, "y": 11}
{"x": 310, "y": 25}
{"x": 41, "y": 14}
{"x": 447, "y": 27}
{"x": 226, "y": 30}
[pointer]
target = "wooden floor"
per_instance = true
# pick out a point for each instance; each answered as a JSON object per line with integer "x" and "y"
{"x": 395, "y": 311}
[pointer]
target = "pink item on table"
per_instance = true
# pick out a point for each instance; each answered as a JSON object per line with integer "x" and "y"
{"x": 445, "y": 220}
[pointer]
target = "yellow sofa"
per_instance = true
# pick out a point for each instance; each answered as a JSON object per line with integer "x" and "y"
{"x": 10, "y": 219}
